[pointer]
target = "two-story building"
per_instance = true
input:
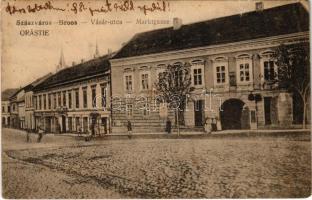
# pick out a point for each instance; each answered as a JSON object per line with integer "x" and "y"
{"x": 231, "y": 66}
{"x": 29, "y": 109}
{"x": 75, "y": 99}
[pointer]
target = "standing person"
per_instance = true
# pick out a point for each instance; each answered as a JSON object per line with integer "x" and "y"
{"x": 214, "y": 124}
{"x": 40, "y": 133}
{"x": 27, "y": 135}
{"x": 208, "y": 126}
{"x": 129, "y": 127}
{"x": 168, "y": 126}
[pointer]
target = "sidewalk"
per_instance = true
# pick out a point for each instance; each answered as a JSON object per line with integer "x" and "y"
{"x": 197, "y": 134}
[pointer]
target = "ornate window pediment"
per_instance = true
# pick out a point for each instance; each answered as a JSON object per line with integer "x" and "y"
{"x": 266, "y": 54}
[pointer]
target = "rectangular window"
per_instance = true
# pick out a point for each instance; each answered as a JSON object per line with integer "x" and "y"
{"x": 93, "y": 93}
{"x": 54, "y": 100}
{"x": 35, "y": 103}
{"x": 40, "y": 102}
{"x": 146, "y": 110}
{"x": 49, "y": 101}
{"x": 269, "y": 73}
{"x": 129, "y": 110}
{"x": 128, "y": 83}
{"x": 220, "y": 74}
{"x": 85, "y": 124}
{"x": 77, "y": 98}
{"x": 59, "y": 99}
{"x": 44, "y": 101}
{"x": 197, "y": 73}
{"x": 78, "y": 124}
{"x": 244, "y": 72}
{"x": 103, "y": 96}
{"x": 64, "y": 98}
{"x": 144, "y": 79}
{"x": 178, "y": 76}
{"x": 85, "y": 97}
{"x": 8, "y": 108}
{"x": 70, "y": 99}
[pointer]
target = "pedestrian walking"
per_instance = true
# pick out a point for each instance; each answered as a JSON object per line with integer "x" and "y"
{"x": 129, "y": 127}
{"x": 168, "y": 126}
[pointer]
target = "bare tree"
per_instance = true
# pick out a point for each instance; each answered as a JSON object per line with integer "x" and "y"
{"x": 174, "y": 86}
{"x": 293, "y": 63}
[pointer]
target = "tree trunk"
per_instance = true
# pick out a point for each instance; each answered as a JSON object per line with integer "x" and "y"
{"x": 304, "y": 115}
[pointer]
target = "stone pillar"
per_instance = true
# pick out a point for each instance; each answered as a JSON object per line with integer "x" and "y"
{"x": 256, "y": 71}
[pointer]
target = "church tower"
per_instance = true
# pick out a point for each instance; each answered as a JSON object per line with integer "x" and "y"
{"x": 61, "y": 65}
{"x": 97, "y": 52}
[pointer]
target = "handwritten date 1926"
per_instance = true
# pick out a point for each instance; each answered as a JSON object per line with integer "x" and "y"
{"x": 82, "y": 6}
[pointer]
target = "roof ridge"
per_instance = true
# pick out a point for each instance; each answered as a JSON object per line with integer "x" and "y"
{"x": 218, "y": 18}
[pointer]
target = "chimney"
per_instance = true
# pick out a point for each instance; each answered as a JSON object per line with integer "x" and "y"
{"x": 177, "y": 23}
{"x": 73, "y": 63}
{"x": 109, "y": 52}
{"x": 82, "y": 60}
{"x": 259, "y": 6}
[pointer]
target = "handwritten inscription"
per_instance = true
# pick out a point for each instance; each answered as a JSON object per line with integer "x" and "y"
{"x": 81, "y": 7}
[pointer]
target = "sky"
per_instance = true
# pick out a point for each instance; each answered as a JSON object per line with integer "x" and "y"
{"x": 26, "y": 58}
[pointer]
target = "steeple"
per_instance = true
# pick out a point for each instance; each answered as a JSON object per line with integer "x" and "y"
{"x": 61, "y": 65}
{"x": 97, "y": 53}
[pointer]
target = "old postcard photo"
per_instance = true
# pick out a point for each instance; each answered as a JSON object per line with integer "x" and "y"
{"x": 119, "y": 99}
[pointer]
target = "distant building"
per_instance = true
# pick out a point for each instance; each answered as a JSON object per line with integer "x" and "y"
{"x": 6, "y": 109}
{"x": 17, "y": 105}
{"x": 229, "y": 56}
{"x": 75, "y": 99}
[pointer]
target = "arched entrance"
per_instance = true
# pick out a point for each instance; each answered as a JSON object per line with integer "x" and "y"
{"x": 234, "y": 115}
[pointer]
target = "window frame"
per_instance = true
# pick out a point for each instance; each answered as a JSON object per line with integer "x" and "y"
{"x": 93, "y": 96}
{"x": 196, "y": 65}
{"x": 244, "y": 59}
{"x": 219, "y": 62}
{"x": 127, "y": 74}
{"x": 84, "y": 97}
{"x": 266, "y": 56}
{"x": 70, "y": 99}
{"x": 145, "y": 72}
{"x": 104, "y": 96}
{"x": 77, "y": 103}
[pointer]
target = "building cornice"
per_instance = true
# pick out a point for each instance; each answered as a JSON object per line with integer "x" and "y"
{"x": 67, "y": 83}
{"x": 246, "y": 45}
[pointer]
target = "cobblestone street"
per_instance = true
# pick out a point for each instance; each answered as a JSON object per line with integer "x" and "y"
{"x": 163, "y": 168}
